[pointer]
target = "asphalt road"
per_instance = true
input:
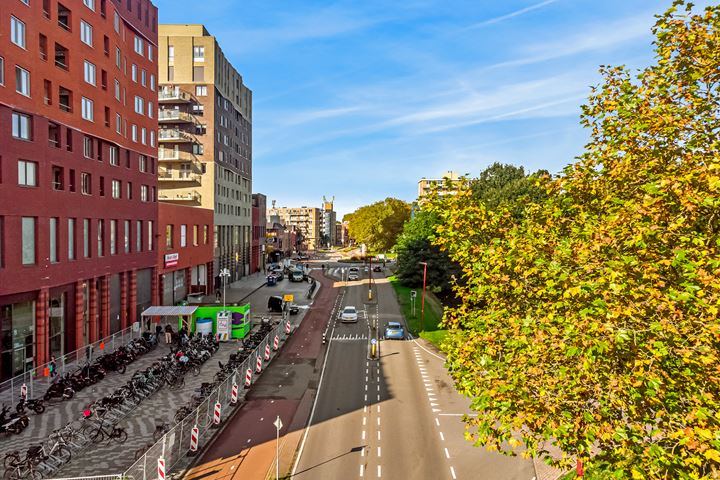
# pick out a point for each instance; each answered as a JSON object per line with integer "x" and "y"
{"x": 396, "y": 417}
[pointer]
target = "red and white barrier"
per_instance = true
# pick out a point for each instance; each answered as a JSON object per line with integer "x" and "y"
{"x": 248, "y": 378}
{"x": 23, "y": 391}
{"x": 161, "y": 469}
{"x": 267, "y": 352}
{"x": 288, "y": 329}
{"x": 258, "y": 366}
{"x": 276, "y": 343}
{"x": 194, "y": 435}
{"x": 234, "y": 394}
{"x": 216, "y": 414}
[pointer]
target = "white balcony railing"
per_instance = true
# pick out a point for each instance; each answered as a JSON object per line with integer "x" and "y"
{"x": 172, "y": 116}
{"x": 191, "y": 196}
{"x": 174, "y": 135}
{"x": 173, "y": 95}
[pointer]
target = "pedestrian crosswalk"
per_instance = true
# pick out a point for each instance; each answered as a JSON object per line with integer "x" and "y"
{"x": 350, "y": 337}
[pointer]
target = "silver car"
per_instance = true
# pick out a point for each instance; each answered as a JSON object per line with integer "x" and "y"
{"x": 349, "y": 315}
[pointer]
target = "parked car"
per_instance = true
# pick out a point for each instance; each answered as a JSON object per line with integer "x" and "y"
{"x": 349, "y": 314}
{"x": 377, "y": 268}
{"x": 276, "y": 304}
{"x": 394, "y": 331}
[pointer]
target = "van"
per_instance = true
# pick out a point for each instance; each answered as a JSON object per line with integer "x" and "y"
{"x": 276, "y": 304}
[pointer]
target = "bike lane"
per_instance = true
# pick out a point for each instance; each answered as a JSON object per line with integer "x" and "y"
{"x": 246, "y": 446}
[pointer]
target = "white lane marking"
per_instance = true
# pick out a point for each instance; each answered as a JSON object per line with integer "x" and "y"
{"x": 366, "y": 378}
{"x": 379, "y": 454}
{"x": 442, "y": 437}
{"x": 378, "y": 408}
{"x": 458, "y": 414}
{"x": 363, "y": 435}
{"x": 437, "y": 422}
{"x": 364, "y": 421}
{"x": 378, "y": 397}
{"x": 362, "y": 470}
{"x": 452, "y": 472}
{"x": 364, "y": 408}
{"x": 447, "y": 454}
{"x": 366, "y": 387}
{"x": 378, "y": 419}
{"x": 366, "y": 397}
{"x": 378, "y": 435}
{"x": 428, "y": 351}
{"x": 427, "y": 389}
{"x": 379, "y": 471}
{"x": 362, "y": 452}
{"x": 378, "y": 387}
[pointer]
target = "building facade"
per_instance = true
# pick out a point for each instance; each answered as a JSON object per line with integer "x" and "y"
{"x": 281, "y": 241}
{"x": 78, "y": 212}
{"x": 185, "y": 252}
{"x": 205, "y": 140}
{"x": 307, "y": 220}
{"x": 444, "y": 184}
{"x": 259, "y": 232}
{"x": 327, "y": 225}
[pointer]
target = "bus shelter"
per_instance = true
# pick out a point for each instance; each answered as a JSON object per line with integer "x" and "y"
{"x": 181, "y": 315}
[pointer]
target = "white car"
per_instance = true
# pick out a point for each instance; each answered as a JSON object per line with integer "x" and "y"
{"x": 353, "y": 273}
{"x": 349, "y": 314}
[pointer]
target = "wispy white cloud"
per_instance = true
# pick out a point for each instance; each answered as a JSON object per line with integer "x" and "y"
{"x": 508, "y": 16}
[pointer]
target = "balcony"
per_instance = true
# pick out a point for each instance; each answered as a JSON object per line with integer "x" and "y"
{"x": 174, "y": 95}
{"x": 173, "y": 135}
{"x": 175, "y": 116}
{"x": 166, "y": 155}
{"x": 192, "y": 196}
{"x": 184, "y": 178}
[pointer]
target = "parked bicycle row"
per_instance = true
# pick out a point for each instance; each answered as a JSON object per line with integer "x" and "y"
{"x": 100, "y": 418}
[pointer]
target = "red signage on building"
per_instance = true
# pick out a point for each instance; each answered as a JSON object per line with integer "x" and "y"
{"x": 171, "y": 260}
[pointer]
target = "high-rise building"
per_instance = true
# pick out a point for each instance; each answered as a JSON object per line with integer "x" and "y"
{"x": 205, "y": 140}
{"x": 327, "y": 225}
{"x": 259, "y": 232}
{"x": 306, "y": 219}
{"x": 78, "y": 217}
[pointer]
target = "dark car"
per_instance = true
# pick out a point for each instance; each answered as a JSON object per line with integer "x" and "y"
{"x": 276, "y": 304}
{"x": 377, "y": 268}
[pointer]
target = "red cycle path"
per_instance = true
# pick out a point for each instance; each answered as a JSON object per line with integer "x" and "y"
{"x": 246, "y": 446}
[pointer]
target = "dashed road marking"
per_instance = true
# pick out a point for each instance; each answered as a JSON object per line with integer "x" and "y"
{"x": 378, "y": 435}
{"x": 447, "y": 454}
{"x": 379, "y": 471}
{"x": 378, "y": 421}
{"x": 364, "y": 421}
{"x": 363, "y": 434}
{"x": 452, "y": 472}
{"x": 437, "y": 422}
{"x": 442, "y": 437}
{"x": 379, "y": 452}
{"x": 362, "y": 472}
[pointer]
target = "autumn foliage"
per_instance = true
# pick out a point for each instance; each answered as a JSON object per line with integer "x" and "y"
{"x": 591, "y": 321}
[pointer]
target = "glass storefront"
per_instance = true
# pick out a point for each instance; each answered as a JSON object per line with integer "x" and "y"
{"x": 17, "y": 331}
{"x": 57, "y": 325}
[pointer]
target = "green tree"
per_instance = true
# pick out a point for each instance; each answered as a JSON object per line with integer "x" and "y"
{"x": 379, "y": 224}
{"x": 508, "y": 186}
{"x": 600, "y": 327}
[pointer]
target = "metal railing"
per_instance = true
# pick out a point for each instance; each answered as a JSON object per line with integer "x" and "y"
{"x": 176, "y": 116}
{"x": 173, "y": 134}
{"x": 192, "y": 196}
{"x": 38, "y": 379}
{"x": 174, "y": 94}
{"x": 175, "y": 444}
{"x": 98, "y": 477}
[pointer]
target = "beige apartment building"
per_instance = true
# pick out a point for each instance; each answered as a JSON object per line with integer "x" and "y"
{"x": 308, "y": 221}
{"x": 444, "y": 184}
{"x": 205, "y": 139}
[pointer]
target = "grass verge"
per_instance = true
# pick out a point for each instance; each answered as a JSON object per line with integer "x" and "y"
{"x": 433, "y": 313}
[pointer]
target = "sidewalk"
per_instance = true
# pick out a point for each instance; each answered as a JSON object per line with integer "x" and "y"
{"x": 238, "y": 291}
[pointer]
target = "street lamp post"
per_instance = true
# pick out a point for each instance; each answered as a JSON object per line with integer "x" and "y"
{"x": 224, "y": 274}
{"x": 422, "y": 302}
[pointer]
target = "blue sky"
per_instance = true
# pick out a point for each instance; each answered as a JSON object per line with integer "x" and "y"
{"x": 360, "y": 99}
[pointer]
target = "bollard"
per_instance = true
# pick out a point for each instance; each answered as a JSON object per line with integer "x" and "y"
{"x": 194, "y": 435}
{"x": 276, "y": 343}
{"x": 248, "y": 378}
{"x": 267, "y": 352}
{"x": 258, "y": 366}
{"x": 234, "y": 394}
{"x": 288, "y": 330}
{"x": 161, "y": 469}
{"x": 216, "y": 415}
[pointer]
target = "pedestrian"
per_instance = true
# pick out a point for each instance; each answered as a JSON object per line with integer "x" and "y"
{"x": 168, "y": 334}
{"x": 217, "y": 295}
{"x": 182, "y": 336}
{"x": 52, "y": 367}
{"x": 158, "y": 332}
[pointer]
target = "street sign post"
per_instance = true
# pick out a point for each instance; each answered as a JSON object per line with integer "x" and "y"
{"x": 413, "y": 294}
{"x": 289, "y": 297}
{"x": 278, "y": 425}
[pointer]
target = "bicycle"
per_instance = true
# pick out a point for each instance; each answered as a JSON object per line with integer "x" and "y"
{"x": 160, "y": 430}
{"x": 97, "y": 432}
{"x": 23, "y": 469}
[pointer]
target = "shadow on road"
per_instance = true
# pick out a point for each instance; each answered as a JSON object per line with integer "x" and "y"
{"x": 352, "y": 450}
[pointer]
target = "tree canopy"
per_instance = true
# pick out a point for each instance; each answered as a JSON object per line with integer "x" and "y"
{"x": 379, "y": 224}
{"x": 599, "y": 329}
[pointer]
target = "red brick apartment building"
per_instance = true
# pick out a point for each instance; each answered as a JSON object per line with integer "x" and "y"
{"x": 78, "y": 185}
{"x": 259, "y": 232}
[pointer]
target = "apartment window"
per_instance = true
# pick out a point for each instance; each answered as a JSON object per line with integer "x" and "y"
{"x": 21, "y": 126}
{"x": 86, "y": 238}
{"x": 206, "y": 230}
{"x": 88, "y": 147}
{"x": 118, "y": 57}
{"x": 201, "y": 90}
{"x": 53, "y": 240}
{"x": 152, "y": 81}
{"x": 129, "y": 190}
{"x": 71, "y": 180}
{"x": 17, "y": 32}
{"x": 139, "y": 105}
{"x": 85, "y": 184}
{"x": 86, "y": 33}
{"x": 150, "y": 233}
{"x": 198, "y": 74}
{"x": 71, "y": 239}
{"x": 183, "y": 235}
{"x": 171, "y": 73}
{"x": 117, "y": 90}
{"x": 138, "y": 235}
{"x": 142, "y": 162}
{"x": 139, "y": 47}
{"x": 199, "y": 54}
{"x": 118, "y": 123}
{"x": 126, "y": 236}
{"x": 22, "y": 81}
{"x": 198, "y": 149}
{"x": 143, "y": 77}
{"x": 152, "y": 138}
{"x": 90, "y": 73}
{"x": 2, "y": 71}
{"x": 28, "y": 240}
{"x": 62, "y": 57}
{"x": 150, "y": 53}
{"x": 195, "y": 236}
{"x": 171, "y": 53}
{"x": 27, "y": 173}
{"x": 168, "y": 236}
{"x": 58, "y": 178}
{"x": 100, "y": 238}
{"x": 90, "y": 4}
{"x": 134, "y": 133}
{"x": 87, "y": 109}
{"x": 53, "y": 135}
{"x": 101, "y": 186}
{"x": 143, "y": 133}
{"x": 114, "y": 155}
{"x": 133, "y": 72}
{"x": 113, "y": 237}
{"x": 143, "y": 193}
{"x": 116, "y": 189}
{"x": 150, "y": 110}
{"x": 116, "y": 22}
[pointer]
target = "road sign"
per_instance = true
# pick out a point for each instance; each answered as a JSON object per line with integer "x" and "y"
{"x": 289, "y": 297}
{"x": 278, "y": 423}
{"x": 413, "y": 293}
{"x": 373, "y": 341}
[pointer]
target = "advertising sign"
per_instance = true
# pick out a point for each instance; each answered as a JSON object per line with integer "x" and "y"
{"x": 171, "y": 259}
{"x": 289, "y": 297}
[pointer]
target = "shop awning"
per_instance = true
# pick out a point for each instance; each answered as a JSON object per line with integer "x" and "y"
{"x": 168, "y": 311}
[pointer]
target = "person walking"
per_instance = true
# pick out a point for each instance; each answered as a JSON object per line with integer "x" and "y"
{"x": 168, "y": 334}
